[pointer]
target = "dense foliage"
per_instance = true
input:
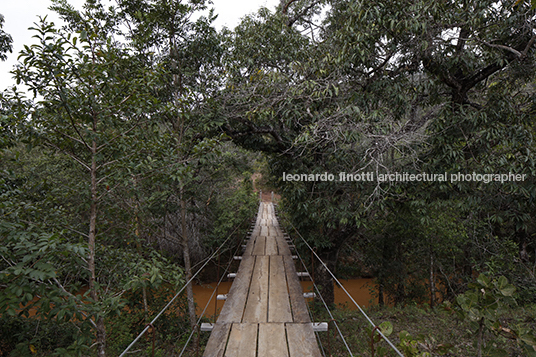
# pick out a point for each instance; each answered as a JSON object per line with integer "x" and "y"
{"x": 397, "y": 87}
{"x": 127, "y": 157}
{"x": 112, "y": 184}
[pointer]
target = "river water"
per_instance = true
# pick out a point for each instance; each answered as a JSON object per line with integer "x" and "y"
{"x": 359, "y": 289}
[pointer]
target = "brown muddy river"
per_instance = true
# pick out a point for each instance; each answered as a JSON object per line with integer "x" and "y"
{"x": 359, "y": 289}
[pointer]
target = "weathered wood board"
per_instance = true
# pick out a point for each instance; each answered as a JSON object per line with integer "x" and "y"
{"x": 242, "y": 340}
{"x": 278, "y": 297}
{"x": 295, "y": 291}
{"x": 302, "y": 341}
{"x": 217, "y": 341}
{"x": 257, "y": 302}
{"x": 272, "y": 340}
{"x": 233, "y": 309}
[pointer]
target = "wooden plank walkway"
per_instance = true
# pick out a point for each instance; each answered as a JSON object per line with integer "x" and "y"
{"x": 265, "y": 313}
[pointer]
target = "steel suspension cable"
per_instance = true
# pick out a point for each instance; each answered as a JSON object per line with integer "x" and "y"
{"x": 180, "y": 291}
{"x": 307, "y": 305}
{"x": 326, "y": 306}
{"x": 211, "y": 296}
{"x": 347, "y": 293}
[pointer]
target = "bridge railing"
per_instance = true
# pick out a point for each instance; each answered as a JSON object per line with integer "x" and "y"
{"x": 374, "y": 326}
{"x": 205, "y": 263}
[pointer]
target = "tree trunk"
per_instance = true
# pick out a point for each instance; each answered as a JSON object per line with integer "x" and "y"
{"x": 101, "y": 337}
{"x": 432, "y": 282}
{"x": 323, "y": 279}
{"x": 523, "y": 253}
{"x": 138, "y": 247}
{"x": 380, "y": 294}
{"x": 480, "y": 337}
{"x": 187, "y": 266}
{"x": 100, "y": 326}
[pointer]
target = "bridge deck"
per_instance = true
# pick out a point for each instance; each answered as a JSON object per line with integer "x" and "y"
{"x": 265, "y": 313}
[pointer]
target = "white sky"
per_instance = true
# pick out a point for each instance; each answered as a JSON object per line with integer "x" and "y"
{"x": 19, "y": 15}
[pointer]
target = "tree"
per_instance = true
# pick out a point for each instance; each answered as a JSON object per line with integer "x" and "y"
{"x": 374, "y": 88}
{"x": 189, "y": 51}
{"x": 5, "y": 41}
{"x": 95, "y": 100}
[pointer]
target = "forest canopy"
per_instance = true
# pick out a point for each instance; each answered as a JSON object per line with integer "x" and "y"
{"x": 399, "y": 135}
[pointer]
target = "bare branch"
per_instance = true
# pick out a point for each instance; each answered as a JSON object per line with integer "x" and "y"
{"x": 71, "y": 155}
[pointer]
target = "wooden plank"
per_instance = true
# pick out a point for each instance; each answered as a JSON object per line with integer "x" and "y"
{"x": 263, "y": 210}
{"x": 257, "y": 303}
{"x": 250, "y": 245}
{"x": 278, "y": 231}
{"x": 278, "y": 298}
{"x": 301, "y": 340}
{"x": 272, "y": 341}
{"x": 264, "y": 231}
{"x": 242, "y": 341}
{"x": 282, "y": 246}
{"x": 260, "y": 245}
{"x": 259, "y": 213}
{"x": 271, "y": 211}
{"x": 217, "y": 340}
{"x": 256, "y": 229}
{"x": 295, "y": 291}
{"x": 233, "y": 308}
{"x": 271, "y": 246}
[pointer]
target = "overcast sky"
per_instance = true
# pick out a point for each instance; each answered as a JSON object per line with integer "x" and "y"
{"x": 21, "y": 14}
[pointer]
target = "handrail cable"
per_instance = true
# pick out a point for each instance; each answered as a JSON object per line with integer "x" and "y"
{"x": 180, "y": 291}
{"x": 312, "y": 319}
{"x": 311, "y": 315}
{"x": 346, "y": 291}
{"x": 325, "y": 305}
{"x": 211, "y": 296}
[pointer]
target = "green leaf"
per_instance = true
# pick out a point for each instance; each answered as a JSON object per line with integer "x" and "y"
{"x": 483, "y": 280}
{"x": 502, "y": 282}
{"x": 508, "y": 290}
{"x": 528, "y": 339}
{"x": 386, "y": 328}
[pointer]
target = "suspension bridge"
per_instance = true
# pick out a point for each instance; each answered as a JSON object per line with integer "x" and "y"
{"x": 265, "y": 312}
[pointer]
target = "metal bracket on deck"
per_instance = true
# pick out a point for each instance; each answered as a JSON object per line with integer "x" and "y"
{"x": 320, "y": 326}
{"x": 309, "y": 295}
{"x": 205, "y": 326}
{"x": 221, "y": 297}
{"x": 231, "y": 275}
{"x": 294, "y": 257}
{"x": 302, "y": 273}
{"x": 237, "y": 258}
